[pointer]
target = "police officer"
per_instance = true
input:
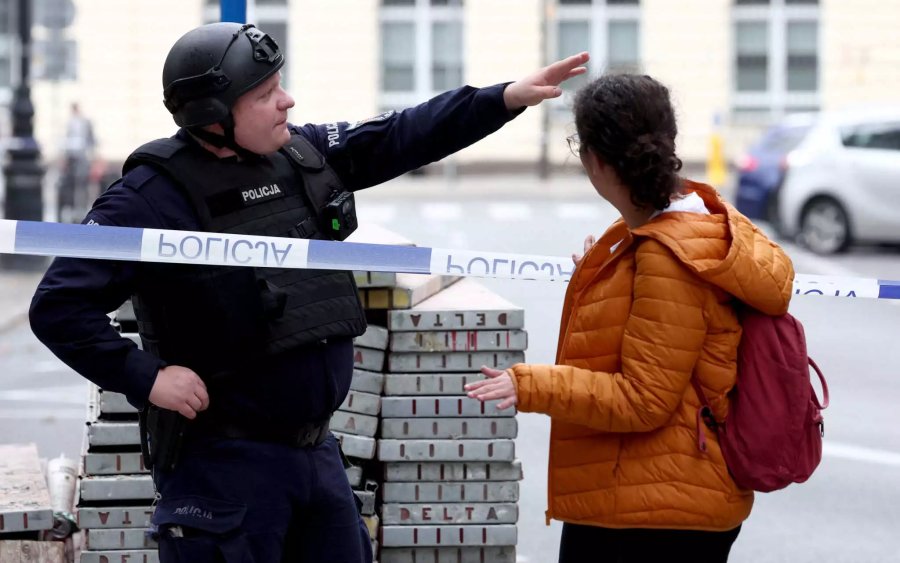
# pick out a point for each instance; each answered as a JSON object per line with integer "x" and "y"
{"x": 254, "y": 361}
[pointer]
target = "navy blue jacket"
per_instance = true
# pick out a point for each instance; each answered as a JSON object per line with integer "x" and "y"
{"x": 69, "y": 310}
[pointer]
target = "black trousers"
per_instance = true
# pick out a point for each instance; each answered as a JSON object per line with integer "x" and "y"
{"x": 591, "y": 544}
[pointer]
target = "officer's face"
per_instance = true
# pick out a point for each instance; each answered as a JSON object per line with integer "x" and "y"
{"x": 260, "y": 117}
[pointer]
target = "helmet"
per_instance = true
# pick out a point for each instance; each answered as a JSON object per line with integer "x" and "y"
{"x": 211, "y": 66}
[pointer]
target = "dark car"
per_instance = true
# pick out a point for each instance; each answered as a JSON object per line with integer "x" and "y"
{"x": 761, "y": 170}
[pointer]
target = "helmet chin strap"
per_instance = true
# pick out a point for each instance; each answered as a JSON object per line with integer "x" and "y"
{"x": 224, "y": 141}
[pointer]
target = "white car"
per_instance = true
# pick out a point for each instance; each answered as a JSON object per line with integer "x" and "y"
{"x": 843, "y": 182}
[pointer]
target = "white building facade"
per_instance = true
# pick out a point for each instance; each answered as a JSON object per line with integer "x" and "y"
{"x": 733, "y": 66}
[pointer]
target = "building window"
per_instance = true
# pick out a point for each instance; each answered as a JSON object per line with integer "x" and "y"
{"x": 271, "y": 16}
{"x": 421, "y": 50}
{"x": 609, "y": 29}
{"x": 776, "y": 57}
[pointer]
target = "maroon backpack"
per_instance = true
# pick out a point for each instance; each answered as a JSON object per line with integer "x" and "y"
{"x": 773, "y": 434}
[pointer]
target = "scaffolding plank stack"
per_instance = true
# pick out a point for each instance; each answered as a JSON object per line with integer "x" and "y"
{"x": 451, "y": 478}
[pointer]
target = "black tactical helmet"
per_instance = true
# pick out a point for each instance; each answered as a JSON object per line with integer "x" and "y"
{"x": 211, "y": 66}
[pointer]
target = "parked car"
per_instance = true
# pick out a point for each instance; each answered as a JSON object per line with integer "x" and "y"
{"x": 842, "y": 181}
{"x": 761, "y": 169}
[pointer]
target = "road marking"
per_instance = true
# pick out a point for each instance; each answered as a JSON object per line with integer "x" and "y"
{"x": 577, "y": 211}
{"x": 510, "y": 211}
{"x": 378, "y": 212}
{"x": 859, "y": 453}
{"x": 442, "y": 211}
{"x": 67, "y": 395}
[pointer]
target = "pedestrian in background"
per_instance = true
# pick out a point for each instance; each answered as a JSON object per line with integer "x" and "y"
{"x": 256, "y": 359}
{"x": 650, "y": 306}
{"x": 73, "y": 191}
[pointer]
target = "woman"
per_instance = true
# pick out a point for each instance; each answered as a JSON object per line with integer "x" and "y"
{"x": 649, "y": 307}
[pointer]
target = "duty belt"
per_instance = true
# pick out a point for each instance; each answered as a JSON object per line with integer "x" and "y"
{"x": 307, "y": 435}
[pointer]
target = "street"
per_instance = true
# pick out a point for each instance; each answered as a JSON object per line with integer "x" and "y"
{"x": 848, "y": 510}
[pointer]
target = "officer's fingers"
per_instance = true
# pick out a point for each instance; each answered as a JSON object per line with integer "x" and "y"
{"x": 548, "y": 92}
{"x": 588, "y": 243}
{"x": 568, "y": 64}
{"x": 193, "y": 378}
{"x": 200, "y": 390}
{"x": 575, "y": 72}
{"x": 187, "y": 411}
{"x": 194, "y": 402}
{"x": 204, "y": 399}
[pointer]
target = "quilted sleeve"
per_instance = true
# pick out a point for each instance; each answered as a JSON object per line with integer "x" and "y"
{"x": 664, "y": 334}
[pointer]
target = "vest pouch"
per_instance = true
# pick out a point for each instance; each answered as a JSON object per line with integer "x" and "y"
{"x": 272, "y": 299}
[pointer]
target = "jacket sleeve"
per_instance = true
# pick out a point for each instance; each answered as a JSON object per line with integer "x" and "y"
{"x": 69, "y": 309}
{"x": 374, "y": 150}
{"x": 663, "y": 337}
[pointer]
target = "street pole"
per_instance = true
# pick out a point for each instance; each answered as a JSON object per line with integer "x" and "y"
{"x": 544, "y": 154}
{"x": 23, "y": 169}
{"x": 233, "y": 11}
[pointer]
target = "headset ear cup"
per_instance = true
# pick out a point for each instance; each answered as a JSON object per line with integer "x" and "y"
{"x": 197, "y": 113}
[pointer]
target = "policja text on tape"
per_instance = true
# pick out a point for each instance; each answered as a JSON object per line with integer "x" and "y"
{"x": 222, "y": 249}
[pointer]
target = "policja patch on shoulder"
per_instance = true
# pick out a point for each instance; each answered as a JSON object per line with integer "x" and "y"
{"x": 374, "y": 119}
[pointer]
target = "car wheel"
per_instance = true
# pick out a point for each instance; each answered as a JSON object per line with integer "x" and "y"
{"x": 824, "y": 227}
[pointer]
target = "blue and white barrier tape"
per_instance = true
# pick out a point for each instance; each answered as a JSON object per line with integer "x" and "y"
{"x": 218, "y": 249}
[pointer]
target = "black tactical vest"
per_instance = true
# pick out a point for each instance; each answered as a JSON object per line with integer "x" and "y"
{"x": 216, "y": 318}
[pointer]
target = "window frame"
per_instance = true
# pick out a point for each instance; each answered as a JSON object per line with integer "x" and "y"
{"x": 423, "y": 15}
{"x": 594, "y": 13}
{"x": 776, "y": 101}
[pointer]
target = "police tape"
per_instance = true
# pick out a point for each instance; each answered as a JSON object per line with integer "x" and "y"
{"x": 221, "y": 249}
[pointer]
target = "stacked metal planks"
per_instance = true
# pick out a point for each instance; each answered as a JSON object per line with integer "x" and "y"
{"x": 451, "y": 477}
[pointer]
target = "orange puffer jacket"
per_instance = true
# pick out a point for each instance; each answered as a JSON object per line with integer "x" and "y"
{"x": 638, "y": 321}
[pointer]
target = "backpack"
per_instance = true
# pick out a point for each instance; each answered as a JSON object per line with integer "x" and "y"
{"x": 772, "y": 436}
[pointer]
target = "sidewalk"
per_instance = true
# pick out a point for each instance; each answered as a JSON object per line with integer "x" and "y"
{"x": 16, "y": 289}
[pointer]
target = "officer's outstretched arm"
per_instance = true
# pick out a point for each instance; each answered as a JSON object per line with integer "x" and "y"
{"x": 544, "y": 84}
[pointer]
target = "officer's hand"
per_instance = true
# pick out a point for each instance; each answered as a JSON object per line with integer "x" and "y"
{"x": 588, "y": 243}
{"x": 544, "y": 84}
{"x": 180, "y": 389}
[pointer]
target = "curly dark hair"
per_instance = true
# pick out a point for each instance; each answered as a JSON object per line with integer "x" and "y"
{"x": 628, "y": 121}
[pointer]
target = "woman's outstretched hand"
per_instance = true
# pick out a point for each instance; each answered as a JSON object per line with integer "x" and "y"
{"x": 498, "y": 385}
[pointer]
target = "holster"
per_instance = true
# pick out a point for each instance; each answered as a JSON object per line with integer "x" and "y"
{"x": 162, "y": 434}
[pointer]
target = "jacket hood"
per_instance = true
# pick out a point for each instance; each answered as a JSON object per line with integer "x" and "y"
{"x": 727, "y": 250}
